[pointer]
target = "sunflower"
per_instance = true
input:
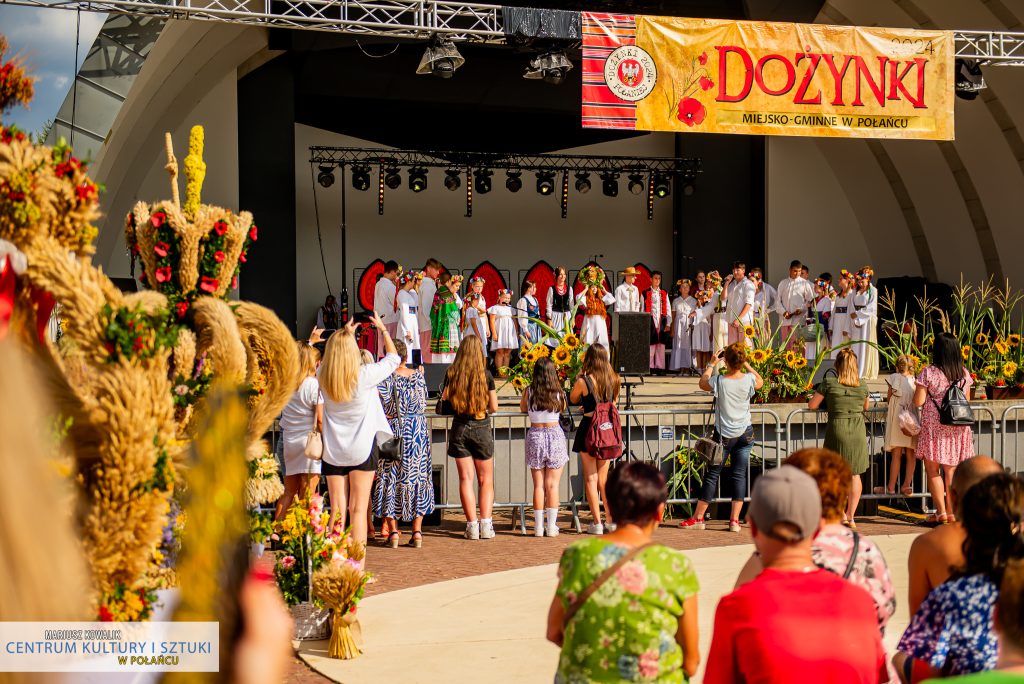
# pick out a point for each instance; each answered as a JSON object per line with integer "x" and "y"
{"x": 800, "y": 362}
{"x": 759, "y": 355}
{"x": 1001, "y": 347}
{"x": 561, "y": 355}
{"x": 541, "y": 351}
{"x": 790, "y": 357}
{"x": 988, "y": 370}
{"x": 530, "y": 357}
{"x": 1009, "y": 369}
{"x": 749, "y": 330}
{"x": 571, "y": 341}
{"x": 519, "y": 382}
{"x": 915, "y": 361}
{"x": 981, "y": 338}
{"x": 1013, "y": 340}
{"x": 965, "y": 351}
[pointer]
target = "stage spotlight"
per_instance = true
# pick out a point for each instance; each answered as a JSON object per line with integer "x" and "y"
{"x": 689, "y": 187}
{"x": 610, "y": 183}
{"x": 452, "y": 179}
{"x": 636, "y": 183}
{"x": 583, "y": 182}
{"x": 441, "y": 58}
{"x": 545, "y": 182}
{"x": 392, "y": 178}
{"x": 361, "y": 178}
{"x": 969, "y": 79}
{"x": 326, "y": 176}
{"x": 514, "y": 182}
{"x": 417, "y": 179}
{"x": 551, "y": 67}
{"x": 483, "y": 180}
{"x": 662, "y": 185}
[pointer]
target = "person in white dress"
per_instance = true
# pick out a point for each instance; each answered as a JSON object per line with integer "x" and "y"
{"x": 504, "y": 336}
{"x": 796, "y": 295}
{"x": 473, "y": 321}
{"x": 824, "y": 296}
{"x": 841, "y": 323}
{"x": 476, "y": 285}
{"x": 739, "y": 307}
{"x": 385, "y": 294}
{"x": 684, "y": 311}
{"x": 865, "y": 321}
{"x": 303, "y": 413}
{"x": 766, "y": 298}
{"x": 703, "y": 316}
{"x": 595, "y": 299}
{"x": 528, "y": 308}
{"x": 902, "y": 386}
{"x": 627, "y": 295}
{"x": 408, "y": 328}
{"x": 427, "y": 290}
{"x": 559, "y": 303}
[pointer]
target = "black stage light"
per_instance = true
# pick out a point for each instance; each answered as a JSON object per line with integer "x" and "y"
{"x": 441, "y": 58}
{"x": 662, "y": 185}
{"x": 583, "y": 182}
{"x": 417, "y": 179}
{"x": 392, "y": 178}
{"x": 326, "y": 176}
{"x": 452, "y": 179}
{"x": 610, "y": 183}
{"x": 483, "y": 180}
{"x": 514, "y": 182}
{"x": 689, "y": 187}
{"x": 969, "y": 79}
{"x": 551, "y": 67}
{"x": 545, "y": 182}
{"x": 636, "y": 183}
{"x": 361, "y": 178}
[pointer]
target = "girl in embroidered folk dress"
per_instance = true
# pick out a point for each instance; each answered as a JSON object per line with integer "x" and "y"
{"x": 445, "y": 314}
{"x": 504, "y": 337}
{"x": 823, "y": 296}
{"x": 656, "y": 303}
{"x": 407, "y": 303}
{"x": 701, "y": 338}
{"x": 559, "y": 304}
{"x": 841, "y": 322}
{"x": 901, "y": 398}
{"x": 546, "y": 449}
{"x": 865, "y": 319}
{"x": 528, "y": 308}
{"x": 684, "y": 310}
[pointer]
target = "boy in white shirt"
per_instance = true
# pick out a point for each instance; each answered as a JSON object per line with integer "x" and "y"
{"x": 739, "y": 308}
{"x": 627, "y": 295}
{"x": 384, "y": 302}
{"x": 428, "y": 287}
{"x": 796, "y": 295}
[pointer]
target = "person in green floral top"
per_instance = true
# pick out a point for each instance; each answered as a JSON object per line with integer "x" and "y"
{"x": 640, "y": 625}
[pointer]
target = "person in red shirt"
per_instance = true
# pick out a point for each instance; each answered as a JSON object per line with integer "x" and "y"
{"x": 794, "y": 621}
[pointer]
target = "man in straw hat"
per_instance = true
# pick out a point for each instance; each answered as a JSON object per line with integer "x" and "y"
{"x": 627, "y": 295}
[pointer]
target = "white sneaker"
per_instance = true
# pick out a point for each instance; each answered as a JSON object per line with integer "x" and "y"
{"x": 538, "y": 530}
{"x": 552, "y": 530}
{"x": 612, "y": 527}
{"x": 595, "y": 528}
{"x": 552, "y": 516}
{"x": 538, "y": 523}
{"x": 486, "y": 529}
{"x": 473, "y": 530}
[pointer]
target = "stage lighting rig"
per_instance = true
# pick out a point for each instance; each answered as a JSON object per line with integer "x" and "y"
{"x": 545, "y": 182}
{"x": 483, "y": 180}
{"x": 417, "y": 179}
{"x": 452, "y": 179}
{"x": 662, "y": 185}
{"x": 514, "y": 181}
{"x": 969, "y": 79}
{"x": 551, "y": 67}
{"x": 610, "y": 183}
{"x": 361, "y": 177}
{"x": 392, "y": 178}
{"x": 326, "y": 176}
{"x": 441, "y": 58}
{"x": 636, "y": 183}
{"x": 583, "y": 182}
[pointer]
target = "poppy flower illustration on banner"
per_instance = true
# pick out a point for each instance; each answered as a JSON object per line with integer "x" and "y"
{"x": 762, "y": 78}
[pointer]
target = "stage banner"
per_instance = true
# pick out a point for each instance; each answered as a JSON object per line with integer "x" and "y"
{"x": 714, "y": 76}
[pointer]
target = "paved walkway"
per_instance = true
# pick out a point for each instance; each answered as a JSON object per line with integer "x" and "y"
{"x": 457, "y": 610}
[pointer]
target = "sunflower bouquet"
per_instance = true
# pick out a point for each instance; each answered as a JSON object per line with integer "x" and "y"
{"x": 567, "y": 355}
{"x": 786, "y": 374}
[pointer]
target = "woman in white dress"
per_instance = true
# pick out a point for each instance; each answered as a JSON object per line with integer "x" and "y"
{"x": 473, "y": 321}
{"x": 504, "y": 337}
{"x": 595, "y": 299}
{"x": 902, "y": 386}
{"x": 408, "y": 328}
{"x": 303, "y": 414}
{"x": 684, "y": 310}
{"x": 841, "y": 322}
{"x": 865, "y": 320}
{"x": 701, "y": 338}
{"x": 559, "y": 304}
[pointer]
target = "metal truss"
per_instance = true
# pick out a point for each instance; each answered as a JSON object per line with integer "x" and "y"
{"x": 331, "y": 157}
{"x": 990, "y": 47}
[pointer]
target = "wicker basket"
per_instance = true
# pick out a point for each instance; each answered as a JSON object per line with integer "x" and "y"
{"x": 311, "y": 623}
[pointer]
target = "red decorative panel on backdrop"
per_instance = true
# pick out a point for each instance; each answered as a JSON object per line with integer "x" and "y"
{"x": 493, "y": 282}
{"x": 367, "y": 283}
{"x": 643, "y": 281}
{"x": 543, "y": 274}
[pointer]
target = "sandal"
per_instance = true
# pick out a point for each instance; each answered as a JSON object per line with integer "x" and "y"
{"x": 416, "y": 540}
{"x": 937, "y": 519}
{"x": 393, "y": 539}
{"x": 907, "y": 491}
{"x": 884, "y": 490}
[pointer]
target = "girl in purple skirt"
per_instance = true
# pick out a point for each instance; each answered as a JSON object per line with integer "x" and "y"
{"x": 546, "y": 446}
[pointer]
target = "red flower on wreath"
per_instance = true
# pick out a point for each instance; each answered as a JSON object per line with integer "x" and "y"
{"x": 219, "y": 256}
{"x": 252, "y": 233}
{"x": 163, "y": 274}
{"x": 234, "y": 282}
{"x": 86, "y": 191}
{"x": 181, "y": 308}
{"x": 137, "y": 345}
{"x": 158, "y": 219}
{"x": 691, "y": 111}
{"x": 208, "y": 284}
{"x": 242, "y": 257}
{"x": 706, "y": 83}
{"x": 109, "y": 346}
{"x": 135, "y": 248}
{"x": 220, "y": 227}
{"x": 703, "y": 59}
{"x": 161, "y": 248}
{"x": 106, "y": 615}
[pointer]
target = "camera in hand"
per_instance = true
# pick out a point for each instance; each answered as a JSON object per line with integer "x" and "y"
{"x": 363, "y": 317}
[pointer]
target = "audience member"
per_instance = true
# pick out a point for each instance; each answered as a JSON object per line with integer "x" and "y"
{"x": 546, "y": 451}
{"x": 303, "y": 414}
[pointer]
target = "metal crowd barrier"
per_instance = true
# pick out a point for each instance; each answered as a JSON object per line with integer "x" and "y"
{"x": 1010, "y": 455}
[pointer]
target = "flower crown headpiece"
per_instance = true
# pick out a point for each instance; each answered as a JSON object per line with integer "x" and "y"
{"x": 591, "y": 275}
{"x": 714, "y": 278}
{"x": 843, "y": 273}
{"x": 503, "y": 292}
{"x": 477, "y": 279}
{"x": 866, "y": 272}
{"x": 684, "y": 281}
{"x": 411, "y": 276}
{"x": 756, "y": 276}
{"x": 455, "y": 281}
{"x": 472, "y": 296}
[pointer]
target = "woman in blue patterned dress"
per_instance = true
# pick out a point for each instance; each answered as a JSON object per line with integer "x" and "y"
{"x": 403, "y": 489}
{"x": 952, "y": 632}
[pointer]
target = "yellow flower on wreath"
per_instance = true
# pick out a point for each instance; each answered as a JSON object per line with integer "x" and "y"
{"x": 965, "y": 351}
{"x": 571, "y": 341}
{"x": 749, "y": 330}
{"x": 981, "y": 338}
{"x": 561, "y": 356}
{"x": 541, "y": 351}
{"x": 1009, "y": 369}
{"x": 759, "y": 355}
{"x": 519, "y": 382}
{"x": 1001, "y": 347}
{"x": 1013, "y": 340}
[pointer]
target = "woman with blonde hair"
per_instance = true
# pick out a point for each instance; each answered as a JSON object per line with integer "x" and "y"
{"x": 469, "y": 392}
{"x": 598, "y": 382}
{"x": 846, "y": 398}
{"x": 353, "y": 422}
{"x": 303, "y": 414}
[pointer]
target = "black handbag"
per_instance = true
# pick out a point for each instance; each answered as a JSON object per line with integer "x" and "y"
{"x": 565, "y": 419}
{"x": 389, "y": 447}
{"x": 443, "y": 407}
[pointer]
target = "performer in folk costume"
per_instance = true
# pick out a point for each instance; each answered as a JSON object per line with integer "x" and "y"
{"x": 821, "y": 315}
{"x": 702, "y": 320}
{"x": 408, "y": 329}
{"x": 476, "y": 285}
{"x": 865, "y": 320}
{"x": 627, "y": 295}
{"x": 559, "y": 303}
{"x": 766, "y": 298}
{"x": 385, "y": 294}
{"x": 684, "y": 311}
{"x": 656, "y": 303}
{"x": 720, "y": 321}
{"x": 445, "y": 315}
{"x": 473, "y": 319}
{"x": 528, "y": 313}
{"x": 427, "y": 290}
{"x": 504, "y": 336}
{"x": 841, "y": 322}
{"x": 595, "y": 299}
{"x": 796, "y": 298}
{"x": 328, "y": 316}
{"x": 739, "y": 307}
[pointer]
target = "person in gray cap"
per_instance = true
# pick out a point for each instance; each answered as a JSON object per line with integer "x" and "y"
{"x": 794, "y": 621}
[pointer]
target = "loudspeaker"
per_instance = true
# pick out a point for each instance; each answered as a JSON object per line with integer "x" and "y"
{"x": 632, "y": 334}
{"x": 434, "y": 374}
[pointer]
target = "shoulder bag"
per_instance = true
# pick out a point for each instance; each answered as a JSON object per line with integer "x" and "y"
{"x": 565, "y": 419}
{"x": 601, "y": 579}
{"x": 710, "y": 449}
{"x": 389, "y": 447}
{"x": 314, "y": 449}
{"x": 443, "y": 407}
